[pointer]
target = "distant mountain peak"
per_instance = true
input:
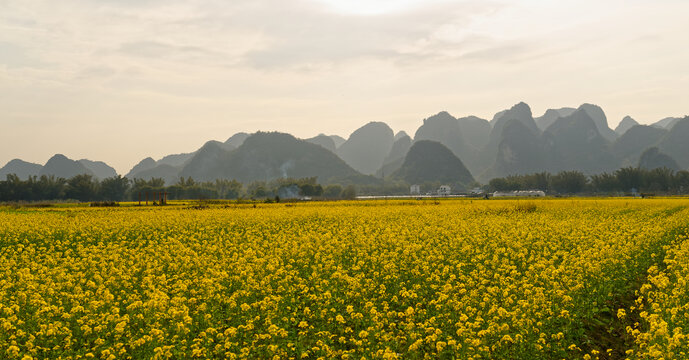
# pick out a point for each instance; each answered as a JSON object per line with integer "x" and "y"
{"x": 324, "y": 141}
{"x": 21, "y": 168}
{"x": 653, "y": 159}
{"x": 99, "y": 169}
{"x": 237, "y": 139}
{"x": 143, "y": 165}
{"x": 61, "y": 166}
{"x": 600, "y": 119}
{"x": 551, "y": 115}
{"x": 431, "y": 161}
{"x": 624, "y": 125}
{"x": 400, "y": 134}
{"x": 367, "y": 147}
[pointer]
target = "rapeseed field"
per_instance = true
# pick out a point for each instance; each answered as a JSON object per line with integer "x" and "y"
{"x": 453, "y": 279}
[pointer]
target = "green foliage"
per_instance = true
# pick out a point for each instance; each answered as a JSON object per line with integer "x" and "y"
{"x": 349, "y": 193}
{"x": 658, "y": 180}
{"x": 257, "y": 190}
{"x": 629, "y": 178}
{"x": 569, "y": 182}
{"x": 114, "y": 188}
{"x": 605, "y": 182}
{"x": 332, "y": 191}
{"x": 82, "y": 187}
{"x": 537, "y": 181}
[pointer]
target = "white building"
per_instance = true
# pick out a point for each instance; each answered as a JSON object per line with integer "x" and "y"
{"x": 521, "y": 193}
{"x": 476, "y": 191}
{"x": 415, "y": 189}
{"x": 444, "y": 190}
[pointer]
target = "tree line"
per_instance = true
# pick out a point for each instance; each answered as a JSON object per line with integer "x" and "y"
{"x": 84, "y": 188}
{"x": 88, "y": 188}
{"x": 622, "y": 181}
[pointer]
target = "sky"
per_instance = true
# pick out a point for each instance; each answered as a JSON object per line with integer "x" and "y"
{"x": 121, "y": 80}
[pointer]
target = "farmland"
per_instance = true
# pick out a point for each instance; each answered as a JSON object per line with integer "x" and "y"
{"x": 497, "y": 279}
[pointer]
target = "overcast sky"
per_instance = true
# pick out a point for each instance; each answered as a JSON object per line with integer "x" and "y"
{"x": 120, "y": 80}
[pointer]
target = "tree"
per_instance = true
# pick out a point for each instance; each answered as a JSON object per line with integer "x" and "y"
{"x": 82, "y": 187}
{"x": 682, "y": 181}
{"x": 311, "y": 190}
{"x": 257, "y": 189}
{"x": 114, "y": 188}
{"x": 349, "y": 193}
{"x": 186, "y": 182}
{"x": 629, "y": 178}
{"x": 228, "y": 189}
{"x": 499, "y": 184}
{"x": 658, "y": 179}
{"x": 332, "y": 191}
{"x": 605, "y": 182}
{"x": 52, "y": 188}
{"x": 141, "y": 186}
{"x": 569, "y": 182}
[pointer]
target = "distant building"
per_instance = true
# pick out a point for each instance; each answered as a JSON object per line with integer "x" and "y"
{"x": 415, "y": 189}
{"x": 476, "y": 191}
{"x": 521, "y": 193}
{"x": 444, "y": 190}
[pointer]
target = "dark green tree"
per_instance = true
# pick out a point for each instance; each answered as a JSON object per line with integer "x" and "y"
{"x": 332, "y": 191}
{"x": 605, "y": 183}
{"x": 349, "y": 193}
{"x": 82, "y": 187}
{"x": 114, "y": 188}
{"x": 629, "y": 178}
{"x": 569, "y": 182}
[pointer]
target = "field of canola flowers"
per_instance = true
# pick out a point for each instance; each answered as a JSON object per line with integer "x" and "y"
{"x": 498, "y": 279}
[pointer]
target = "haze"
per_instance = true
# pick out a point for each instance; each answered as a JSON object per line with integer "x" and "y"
{"x": 117, "y": 80}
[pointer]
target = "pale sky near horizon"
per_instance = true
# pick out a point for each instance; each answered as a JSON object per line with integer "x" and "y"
{"x": 120, "y": 80}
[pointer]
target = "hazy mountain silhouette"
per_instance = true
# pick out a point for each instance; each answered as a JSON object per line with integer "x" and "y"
{"x": 520, "y": 112}
{"x": 395, "y": 158}
{"x": 149, "y": 168}
{"x": 666, "y": 123}
{"x": 443, "y": 128}
{"x": 497, "y": 117}
{"x": 166, "y": 172}
{"x": 676, "y": 143}
{"x": 367, "y": 147}
{"x": 498, "y": 157}
{"x": 99, "y": 169}
{"x": 653, "y": 159}
{"x": 237, "y": 139}
{"x": 519, "y": 151}
{"x": 578, "y": 145}
{"x": 513, "y": 142}
{"x": 598, "y": 116}
{"x": 400, "y": 134}
{"x": 324, "y": 141}
{"x": 175, "y": 159}
{"x": 628, "y": 147}
{"x": 339, "y": 140}
{"x": 204, "y": 165}
{"x": 267, "y": 156}
{"x": 550, "y": 115}
{"x": 475, "y": 131}
{"x": 62, "y": 167}
{"x": 20, "y": 168}
{"x": 143, "y": 165}
{"x": 624, "y": 125}
{"x": 431, "y": 161}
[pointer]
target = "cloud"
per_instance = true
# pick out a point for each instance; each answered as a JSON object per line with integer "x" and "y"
{"x": 156, "y": 49}
{"x": 281, "y": 35}
{"x": 317, "y": 36}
